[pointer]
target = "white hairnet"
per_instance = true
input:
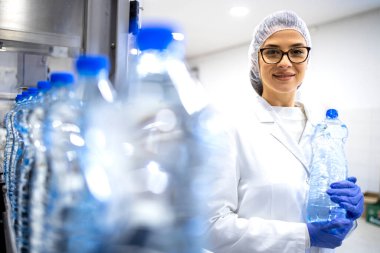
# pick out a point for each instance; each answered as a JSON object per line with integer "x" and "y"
{"x": 281, "y": 20}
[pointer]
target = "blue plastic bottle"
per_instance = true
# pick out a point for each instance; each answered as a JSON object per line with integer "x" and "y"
{"x": 328, "y": 165}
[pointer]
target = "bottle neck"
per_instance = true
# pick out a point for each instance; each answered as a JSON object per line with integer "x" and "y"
{"x": 61, "y": 92}
{"x": 95, "y": 88}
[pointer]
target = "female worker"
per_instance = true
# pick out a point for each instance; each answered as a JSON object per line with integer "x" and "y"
{"x": 257, "y": 201}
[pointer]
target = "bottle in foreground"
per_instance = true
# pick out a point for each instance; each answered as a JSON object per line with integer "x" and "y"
{"x": 165, "y": 137}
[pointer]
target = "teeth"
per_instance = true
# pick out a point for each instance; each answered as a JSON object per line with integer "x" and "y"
{"x": 283, "y": 75}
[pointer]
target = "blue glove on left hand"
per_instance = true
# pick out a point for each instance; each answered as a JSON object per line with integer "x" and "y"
{"x": 349, "y": 196}
{"x": 329, "y": 234}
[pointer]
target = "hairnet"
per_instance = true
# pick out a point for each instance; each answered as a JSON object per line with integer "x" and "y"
{"x": 281, "y": 20}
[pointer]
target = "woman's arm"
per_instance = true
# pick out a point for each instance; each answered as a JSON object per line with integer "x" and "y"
{"x": 229, "y": 233}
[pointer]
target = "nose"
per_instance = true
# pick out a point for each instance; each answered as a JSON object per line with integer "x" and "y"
{"x": 285, "y": 62}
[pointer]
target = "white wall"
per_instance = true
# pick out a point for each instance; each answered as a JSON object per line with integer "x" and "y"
{"x": 343, "y": 72}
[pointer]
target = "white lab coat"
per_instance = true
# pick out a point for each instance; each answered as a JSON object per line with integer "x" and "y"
{"x": 257, "y": 201}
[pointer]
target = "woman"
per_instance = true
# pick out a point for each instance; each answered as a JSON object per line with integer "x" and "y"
{"x": 258, "y": 198}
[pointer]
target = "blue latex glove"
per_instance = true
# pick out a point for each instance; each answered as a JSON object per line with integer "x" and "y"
{"x": 349, "y": 196}
{"x": 329, "y": 234}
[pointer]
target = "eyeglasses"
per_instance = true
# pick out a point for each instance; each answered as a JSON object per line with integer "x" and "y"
{"x": 274, "y": 55}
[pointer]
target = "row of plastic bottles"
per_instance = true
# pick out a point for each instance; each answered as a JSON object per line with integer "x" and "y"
{"x": 87, "y": 170}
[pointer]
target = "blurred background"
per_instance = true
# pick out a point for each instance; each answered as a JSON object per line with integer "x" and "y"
{"x": 38, "y": 37}
{"x": 342, "y": 71}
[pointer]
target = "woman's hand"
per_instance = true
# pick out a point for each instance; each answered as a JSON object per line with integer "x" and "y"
{"x": 329, "y": 234}
{"x": 349, "y": 196}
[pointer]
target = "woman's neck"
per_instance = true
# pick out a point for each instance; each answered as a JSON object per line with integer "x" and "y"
{"x": 284, "y": 100}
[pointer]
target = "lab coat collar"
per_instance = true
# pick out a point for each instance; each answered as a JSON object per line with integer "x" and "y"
{"x": 269, "y": 118}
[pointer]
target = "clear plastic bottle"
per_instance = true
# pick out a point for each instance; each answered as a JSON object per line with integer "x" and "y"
{"x": 82, "y": 232}
{"x": 9, "y": 144}
{"x": 37, "y": 178}
{"x": 58, "y": 129}
{"x": 15, "y": 154}
{"x": 11, "y": 149}
{"x": 24, "y": 170}
{"x": 19, "y": 160}
{"x": 328, "y": 165}
{"x": 162, "y": 148}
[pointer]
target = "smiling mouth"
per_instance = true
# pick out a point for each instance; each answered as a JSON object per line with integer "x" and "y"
{"x": 283, "y": 76}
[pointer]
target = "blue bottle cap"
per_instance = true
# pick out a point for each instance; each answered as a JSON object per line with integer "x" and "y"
{"x": 61, "y": 78}
{"x": 331, "y": 114}
{"x": 43, "y": 85}
{"x": 25, "y": 94}
{"x": 32, "y": 90}
{"x": 155, "y": 36}
{"x": 91, "y": 64}
{"x": 18, "y": 97}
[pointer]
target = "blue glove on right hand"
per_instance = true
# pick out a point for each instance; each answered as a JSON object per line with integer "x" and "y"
{"x": 349, "y": 196}
{"x": 329, "y": 234}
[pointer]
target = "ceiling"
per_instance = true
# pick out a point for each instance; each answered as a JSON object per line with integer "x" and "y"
{"x": 209, "y": 28}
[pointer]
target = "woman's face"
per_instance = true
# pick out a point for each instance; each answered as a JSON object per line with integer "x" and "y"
{"x": 281, "y": 80}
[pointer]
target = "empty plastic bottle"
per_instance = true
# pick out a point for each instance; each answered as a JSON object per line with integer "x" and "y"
{"x": 328, "y": 165}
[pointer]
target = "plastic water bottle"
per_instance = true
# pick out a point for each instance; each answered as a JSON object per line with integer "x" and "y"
{"x": 9, "y": 144}
{"x": 9, "y": 150}
{"x": 163, "y": 151}
{"x": 36, "y": 182}
{"x": 24, "y": 172}
{"x": 328, "y": 165}
{"x": 21, "y": 159}
{"x": 14, "y": 156}
{"x": 71, "y": 212}
{"x": 58, "y": 127}
{"x": 82, "y": 232}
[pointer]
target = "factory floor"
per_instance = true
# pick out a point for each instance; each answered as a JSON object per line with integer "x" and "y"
{"x": 365, "y": 239}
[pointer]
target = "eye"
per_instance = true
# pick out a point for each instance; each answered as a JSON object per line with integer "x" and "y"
{"x": 298, "y": 52}
{"x": 272, "y": 52}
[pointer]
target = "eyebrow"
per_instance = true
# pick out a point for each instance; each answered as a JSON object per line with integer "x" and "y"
{"x": 293, "y": 45}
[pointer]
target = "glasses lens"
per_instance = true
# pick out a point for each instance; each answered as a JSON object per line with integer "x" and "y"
{"x": 298, "y": 54}
{"x": 274, "y": 55}
{"x": 271, "y": 55}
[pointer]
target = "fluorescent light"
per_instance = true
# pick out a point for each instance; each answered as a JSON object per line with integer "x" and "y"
{"x": 178, "y": 36}
{"x": 239, "y": 11}
{"x": 134, "y": 51}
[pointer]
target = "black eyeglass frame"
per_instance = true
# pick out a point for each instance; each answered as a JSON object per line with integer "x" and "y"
{"x": 284, "y": 53}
